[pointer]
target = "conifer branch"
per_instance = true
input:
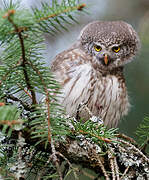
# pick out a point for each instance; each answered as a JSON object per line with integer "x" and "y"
{"x": 99, "y": 163}
{"x": 26, "y": 92}
{"x": 47, "y": 98}
{"x": 25, "y": 105}
{"x": 123, "y": 136}
{"x": 7, "y": 73}
{"x": 24, "y": 60}
{"x": 69, "y": 9}
{"x": 135, "y": 149}
{"x": 116, "y": 168}
{"x": 55, "y": 159}
{"x": 10, "y": 123}
{"x": 98, "y": 137}
{"x": 144, "y": 147}
{"x": 111, "y": 159}
{"x": 125, "y": 172}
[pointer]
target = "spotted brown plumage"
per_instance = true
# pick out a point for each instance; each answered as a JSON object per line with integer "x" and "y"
{"x": 91, "y": 71}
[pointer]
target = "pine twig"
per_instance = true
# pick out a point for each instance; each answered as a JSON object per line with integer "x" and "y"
{"x": 47, "y": 98}
{"x": 113, "y": 164}
{"x": 123, "y": 136}
{"x": 25, "y": 105}
{"x": 111, "y": 158}
{"x": 24, "y": 61}
{"x": 125, "y": 172}
{"x": 55, "y": 159}
{"x": 10, "y": 123}
{"x": 143, "y": 148}
{"x": 68, "y": 162}
{"x": 69, "y": 9}
{"x": 7, "y": 73}
{"x": 135, "y": 149}
{"x": 116, "y": 168}
{"x": 93, "y": 135}
{"x": 26, "y": 92}
{"x": 102, "y": 168}
{"x": 22, "y": 29}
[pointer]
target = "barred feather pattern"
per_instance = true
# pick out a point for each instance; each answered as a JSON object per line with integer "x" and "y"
{"x": 104, "y": 92}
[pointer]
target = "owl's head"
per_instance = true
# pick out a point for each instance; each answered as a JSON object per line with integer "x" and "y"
{"x": 111, "y": 44}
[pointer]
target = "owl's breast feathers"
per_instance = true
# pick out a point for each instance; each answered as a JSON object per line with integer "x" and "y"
{"x": 104, "y": 93}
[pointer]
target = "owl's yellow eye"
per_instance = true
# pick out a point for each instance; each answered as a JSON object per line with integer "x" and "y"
{"x": 116, "y": 49}
{"x": 97, "y": 48}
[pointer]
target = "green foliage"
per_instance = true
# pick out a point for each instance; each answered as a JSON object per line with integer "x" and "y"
{"x": 98, "y": 133}
{"x": 39, "y": 125}
{"x": 23, "y": 77}
{"x": 143, "y": 131}
{"x": 10, "y": 119}
{"x": 22, "y": 69}
{"x": 6, "y": 160}
{"x": 54, "y": 17}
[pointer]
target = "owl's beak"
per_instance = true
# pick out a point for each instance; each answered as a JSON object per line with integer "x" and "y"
{"x": 106, "y": 59}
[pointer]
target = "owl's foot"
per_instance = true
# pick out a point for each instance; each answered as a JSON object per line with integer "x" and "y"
{"x": 84, "y": 113}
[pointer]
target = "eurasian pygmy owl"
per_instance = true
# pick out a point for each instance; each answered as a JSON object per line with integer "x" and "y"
{"x": 91, "y": 71}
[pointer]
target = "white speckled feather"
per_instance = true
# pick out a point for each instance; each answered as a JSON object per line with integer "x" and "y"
{"x": 91, "y": 71}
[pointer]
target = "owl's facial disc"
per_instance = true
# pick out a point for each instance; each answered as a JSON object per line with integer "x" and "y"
{"x": 108, "y": 56}
{"x": 117, "y": 39}
{"x": 102, "y": 54}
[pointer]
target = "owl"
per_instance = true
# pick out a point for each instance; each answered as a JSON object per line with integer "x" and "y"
{"x": 91, "y": 70}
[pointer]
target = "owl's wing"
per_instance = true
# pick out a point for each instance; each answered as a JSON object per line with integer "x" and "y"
{"x": 73, "y": 70}
{"x": 68, "y": 62}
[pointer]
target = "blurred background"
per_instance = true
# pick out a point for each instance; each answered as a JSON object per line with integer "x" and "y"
{"x": 137, "y": 72}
